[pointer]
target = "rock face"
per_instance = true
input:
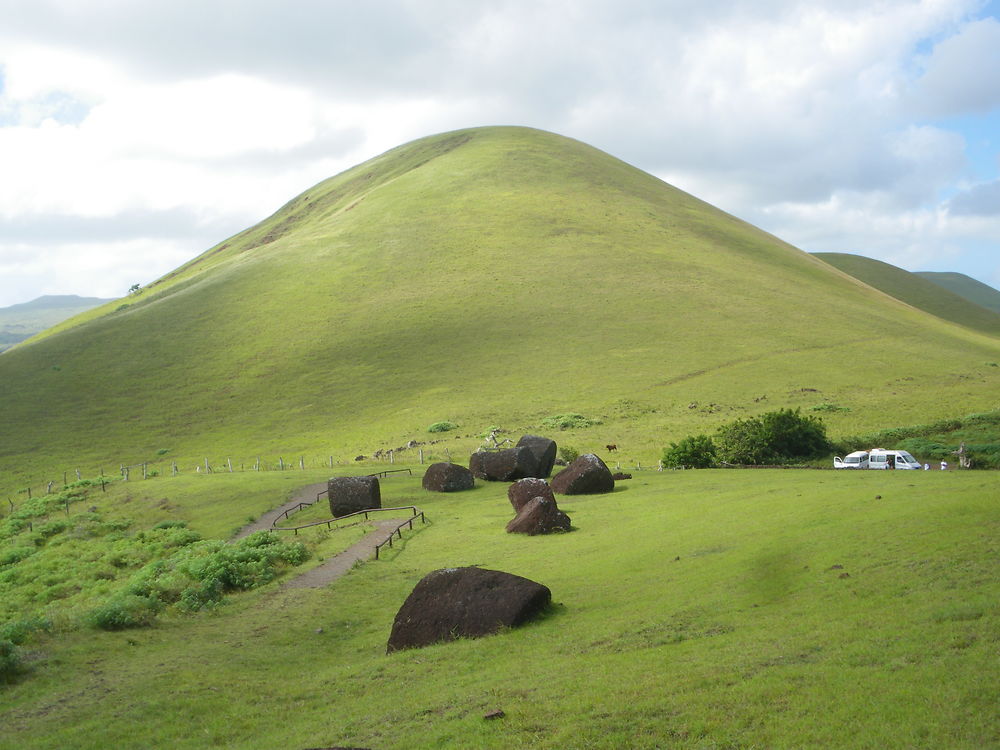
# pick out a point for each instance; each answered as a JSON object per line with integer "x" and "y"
{"x": 544, "y": 451}
{"x": 351, "y": 494}
{"x": 465, "y": 603}
{"x": 503, "y": 466}
{"x": 524, "y": 490}
{"x": 588, "y": 475}
{"x": 540, "y": 515}
{"x": 447, "y": 477}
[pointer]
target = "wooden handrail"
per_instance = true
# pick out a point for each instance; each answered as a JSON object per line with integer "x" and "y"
{"x": 415, "y": 512}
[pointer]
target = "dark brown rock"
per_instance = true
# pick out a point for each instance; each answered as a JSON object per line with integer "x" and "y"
{"x": 503, "y": 466}
{"x": 544, "y": 451}
{"x": 448, "y": 477}
{"x": 351, "y": 494}
{"x": 456, "y": 603}
{"x": 540, "y": 515}
{"x": 588, "y": 475}
{"x": 523, "y": 490}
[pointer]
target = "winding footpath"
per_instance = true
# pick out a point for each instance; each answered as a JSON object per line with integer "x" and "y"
{"x": 333, "y": 568}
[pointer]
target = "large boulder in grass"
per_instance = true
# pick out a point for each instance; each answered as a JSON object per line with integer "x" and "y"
{"x": 540, "y": 515}
{"x": 448, "y": 477}
{"x": 588, "y": 475}
{"x": 351, "y": 494}
{"x": 503, "y": 466}
{"x": 544, "y": 451}
{"x": 523, "y": 490}
{"x": 471, "y": 602}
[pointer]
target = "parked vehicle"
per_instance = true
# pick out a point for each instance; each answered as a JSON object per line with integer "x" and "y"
{"x": 879, "y": 458}
{"x": 856, "y": 460}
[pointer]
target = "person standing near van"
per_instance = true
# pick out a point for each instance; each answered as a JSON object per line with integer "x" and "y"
{"x": 944, "y": 465}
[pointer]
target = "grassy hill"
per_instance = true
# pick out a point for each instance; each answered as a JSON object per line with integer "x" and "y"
{"x": 20, "y": 322}
{"x": 964, "y": 286}
{"x": 494, "y": 276}
{"x": 914, "y": 289}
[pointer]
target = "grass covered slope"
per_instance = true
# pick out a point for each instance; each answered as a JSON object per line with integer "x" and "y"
{"x": 19, "y": 322}
{"x": 488, "y": 276}
{"x": 965, "y": 286}
{"x": 915, "y": 289}
{"x": 777, "y": 609}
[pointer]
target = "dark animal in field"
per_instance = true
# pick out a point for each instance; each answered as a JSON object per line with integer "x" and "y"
{"x": 611, "y": 447}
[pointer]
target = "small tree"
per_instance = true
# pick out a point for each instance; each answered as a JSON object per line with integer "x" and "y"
{"x": 694, "y": 452}
{"x": 775, "y": 437}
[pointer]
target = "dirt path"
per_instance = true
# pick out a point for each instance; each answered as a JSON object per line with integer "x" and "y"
{"x": 305, "y": 494}
{"x": 339, "y": 564}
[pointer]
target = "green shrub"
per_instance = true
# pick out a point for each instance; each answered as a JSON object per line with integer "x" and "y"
{"x": 124, "y": 611}
{"x": 568, "y": 421}
{"x": 828, "y": 407}
{"x": 776, "y": 437}
{"x": 15, "y": 555}
{"x": 693, "y": 452}
{"x": 442, "y": 427}
{"x": 10, "y": 659}
{"x": 568, "y": 454}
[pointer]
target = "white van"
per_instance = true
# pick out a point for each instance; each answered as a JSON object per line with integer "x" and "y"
{"x": 883, "y": 459}
{"x": 856, "y": 460}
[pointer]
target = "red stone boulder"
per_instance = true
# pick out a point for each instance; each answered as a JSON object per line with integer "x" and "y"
{"x": 525, "y": 489}
{"x": 544, "y": 451}
{"x": 503, "y": 466}
{"x": 588, "y": 475}
{"x": 454, "y": 603}
{"x": 351, "y": 494}
{"x": 540, "y": 515}
{"x": 448, "y": 477}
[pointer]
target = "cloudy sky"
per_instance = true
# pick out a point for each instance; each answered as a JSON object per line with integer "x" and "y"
{"x": 135, "y": 134}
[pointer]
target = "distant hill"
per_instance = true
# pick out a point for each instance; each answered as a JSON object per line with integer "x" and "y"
{"x": 492, "y": 276}
{"x": 914, "y": 289}
{"x": 965, "y": 286}
{"x": 20, "y": 322}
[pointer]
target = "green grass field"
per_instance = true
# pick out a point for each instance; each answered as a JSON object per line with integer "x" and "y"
{"x": 972, "y": 290}
{"x": 756, "y": 608}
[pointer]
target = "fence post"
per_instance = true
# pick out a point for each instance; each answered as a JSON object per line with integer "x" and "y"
{"x": 48, "y": 489}
{"x": 230, "y": 462}
{"x": 281, "y": 464}
{"x": 175, "y": 468}
{"x": 421, "y": 451}
{"x": 125, "y": 470}
{"x": 302, "y": 463}
{"x": 78, "y": 477}
{"x": 145, "y": 473}
{"x": 392, "y": 459}
{"x": 29, "y": 493}
{"x": 331, "y": 462}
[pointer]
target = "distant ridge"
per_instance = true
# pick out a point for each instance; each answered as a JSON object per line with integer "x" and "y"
{"x": 22, "y": 321}
{"x": 965, "y": 286}
{"x": 915, "y": 290}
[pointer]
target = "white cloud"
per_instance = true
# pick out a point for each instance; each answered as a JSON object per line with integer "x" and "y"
{"x": 802, "y": 117}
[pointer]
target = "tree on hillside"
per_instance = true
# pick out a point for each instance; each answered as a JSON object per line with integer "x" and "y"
{"x": 693, "y": 452}
{"x": 772, "y": 438}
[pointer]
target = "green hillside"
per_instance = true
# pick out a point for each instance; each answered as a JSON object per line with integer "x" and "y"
{"x": 20, "y": 322}
{"x": 492, "y": 276}
{"x": 965, "y": 286}
{"x": 914, "y": 289}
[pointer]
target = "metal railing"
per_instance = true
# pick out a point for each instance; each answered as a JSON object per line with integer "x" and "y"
{"x": 415, "y": 511}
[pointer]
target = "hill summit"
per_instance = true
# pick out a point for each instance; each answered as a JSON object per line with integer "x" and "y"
{"x": 491, "y": 276}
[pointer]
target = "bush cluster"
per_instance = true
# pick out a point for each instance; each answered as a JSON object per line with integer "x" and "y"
{"x": 568, "y": 421}
{"x": 442, "y": 427}
{"x": 777, "y": 437}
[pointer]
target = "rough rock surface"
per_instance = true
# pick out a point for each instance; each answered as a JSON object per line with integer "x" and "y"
{"x": 351, "y": 494}
{"x": 470, "y": 602}
{"x": 523, "y": 490}
{"x": 588, "y": 475}
{"x": 448, "y": 477}
{"x": 540, "y": 515}
{"x": 503, "y": 466}
{"x": 544, "y": 451}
